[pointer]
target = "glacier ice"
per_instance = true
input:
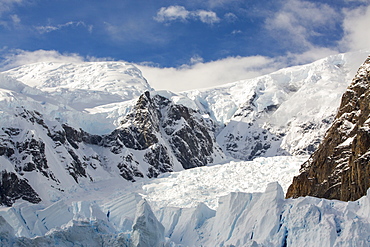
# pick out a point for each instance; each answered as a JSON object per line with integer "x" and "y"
{"x": 146, "y": 230}
{"x": 241, "y": 219}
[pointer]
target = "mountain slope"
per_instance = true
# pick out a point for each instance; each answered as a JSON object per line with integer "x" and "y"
{"x": 286, "y": 112}
{"x": 339, "y": 169}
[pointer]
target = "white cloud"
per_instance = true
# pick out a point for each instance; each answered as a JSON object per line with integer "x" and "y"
{"x": 50, "y": 28}
{"x": 208, "y": 17}
{"x": 196, "y": 59}
{"x": 356, "y": 26}
{"x": 235, "y": 32}
{"x": 6, "y": 7}
{"x": 172, "y": 13}
{"x": 313, "y": 54}
{"x": 298, "y": 21}
{"x": 203, "y": 75}
{"x": 15, "y": 58}
{"x": 10, "y": 21}
{"x": 180, "y": 13}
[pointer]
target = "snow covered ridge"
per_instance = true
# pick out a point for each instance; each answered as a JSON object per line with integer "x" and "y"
{"x": 285, "y": 112}
{"x": 120, "y": 78}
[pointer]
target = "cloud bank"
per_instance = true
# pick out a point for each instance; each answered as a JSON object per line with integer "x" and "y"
{"x": 356, "y": 26}
{"x": 202, "y": 75}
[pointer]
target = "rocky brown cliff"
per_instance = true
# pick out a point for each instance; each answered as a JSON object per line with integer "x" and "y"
{"x": 340, "y": 168}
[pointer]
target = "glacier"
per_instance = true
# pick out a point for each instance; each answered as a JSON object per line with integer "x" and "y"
{"x": 240, "y": 218}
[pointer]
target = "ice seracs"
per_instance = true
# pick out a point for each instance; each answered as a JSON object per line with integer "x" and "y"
{"x": 146, "y": 230}
{"x": 240, "y": 219}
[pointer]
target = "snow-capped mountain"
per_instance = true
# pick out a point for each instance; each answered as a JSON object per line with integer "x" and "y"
{"x": 91, "y": 96}
{"x": 73, "y": 133}
{"x": 66, "y": 124}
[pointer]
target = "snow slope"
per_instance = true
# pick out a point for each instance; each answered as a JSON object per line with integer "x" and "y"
{"x": 285, "y": 112}
{"x": 205, "y": 185}
{"x": 120, "y": 78}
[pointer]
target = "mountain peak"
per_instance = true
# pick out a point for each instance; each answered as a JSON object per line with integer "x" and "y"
{"x": 120, "y": 78}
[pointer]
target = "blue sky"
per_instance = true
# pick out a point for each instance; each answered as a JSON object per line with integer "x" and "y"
{"x": 197, "y": 43}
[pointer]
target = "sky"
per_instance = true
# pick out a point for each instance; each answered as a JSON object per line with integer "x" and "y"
{"x": 182, "y": 45}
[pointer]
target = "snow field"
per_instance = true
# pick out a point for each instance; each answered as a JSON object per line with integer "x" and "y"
{"x": 205, "y": 185}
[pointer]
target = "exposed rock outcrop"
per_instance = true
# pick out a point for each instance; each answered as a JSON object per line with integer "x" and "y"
{"x": 13, "y": 188}
{"x": 340, "y": 168}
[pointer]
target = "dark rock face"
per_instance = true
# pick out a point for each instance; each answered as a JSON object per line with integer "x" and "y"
{"x": 159, "y": 160}
{"x": 128, "y": 168}
{"x": 190, "y": 136}
{"x": 138, "y": 129}
{"x": 340, "y": 168}
{"x": 13, "y": 188}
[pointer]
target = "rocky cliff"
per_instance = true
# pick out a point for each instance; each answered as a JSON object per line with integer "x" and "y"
{"x": 340, "y": 168}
